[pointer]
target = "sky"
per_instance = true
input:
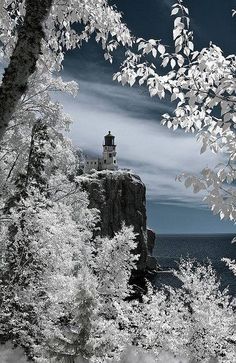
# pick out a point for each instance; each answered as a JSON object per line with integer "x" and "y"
{"x": 150, "y": 150}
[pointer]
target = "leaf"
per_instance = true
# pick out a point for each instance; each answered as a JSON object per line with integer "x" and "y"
{"x": 178, "y": 48}
{"x": 176, "y": 32}
{"x": 180, "y": 60}
{"x": 152, "y": 41}
{"x": 172, "y": 63}
{"x": 175, "y": 11}
{"x": 177, "y": 21}
{"x": 165, "y": 62}
{"x": 147, "y": 49}
{"x": 161, "y": 49}
{"x": 195, "y": 54}
{"x": 154, "y": 52}
{"x": 191, "y": 45}
{"x": 227, "y": 117}
{"x": 141, "y": 45}
{"x": 186, "y": 10}
{"x": 186, "y": 51}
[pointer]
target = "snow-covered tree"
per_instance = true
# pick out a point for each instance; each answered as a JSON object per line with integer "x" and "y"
{"x": 58, "y": 297}
{"x": 64, "y": 295}
{"x": 195, "y": 322}
{"x": 81, "y": 317}
{"x": 48, "y": 261}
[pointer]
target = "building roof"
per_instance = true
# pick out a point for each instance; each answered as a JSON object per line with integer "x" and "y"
{"x": 109, "y": 134}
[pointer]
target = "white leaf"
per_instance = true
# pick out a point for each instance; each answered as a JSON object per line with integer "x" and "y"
{"x": 178, "y": 48}
{"x": 180, "y": 61}
{"x": 152, "y": 41}
{"x": 165, "y": 62}
{"x": 176, "y": 32}
{"x": 154, "y": 52}
{"x": 186, "y": 51}
{"x": 177, "y": 21}
{"x": 191, "y": 45}
{"x": 174, "y": 11}
{"x": 172, "y": 63}
{"x": 161, "y": 49}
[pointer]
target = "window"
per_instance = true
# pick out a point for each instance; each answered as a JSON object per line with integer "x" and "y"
{"x": 87, "y": 162}
{"x": 114, "y": 161}
{"x": 110, "y": 155}
{"x": 105, "y": 161}
{"x": 95, "y": 162}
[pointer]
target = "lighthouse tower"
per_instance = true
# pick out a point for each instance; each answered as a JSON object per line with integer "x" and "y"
{"x": 109, "y": 153}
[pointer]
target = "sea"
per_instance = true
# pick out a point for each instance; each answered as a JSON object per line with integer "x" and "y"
{"x": 203, "y": 248}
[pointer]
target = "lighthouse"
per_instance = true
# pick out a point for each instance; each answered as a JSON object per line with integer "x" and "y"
{"x": 109, "y": 153}
{"x": 108, "y": 160}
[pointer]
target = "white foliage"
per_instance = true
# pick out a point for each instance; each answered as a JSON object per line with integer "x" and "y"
{"x": 139, "y": 356}
{"x": 195, "y": 321}
{"x": 200, "y": 83}
{"x": 113, "y": 277}
{"x": 231, "y": 264}
{"x": 63, "y": 294}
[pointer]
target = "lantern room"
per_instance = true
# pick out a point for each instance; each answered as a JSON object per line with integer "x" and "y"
{"x": 109, "y": 139}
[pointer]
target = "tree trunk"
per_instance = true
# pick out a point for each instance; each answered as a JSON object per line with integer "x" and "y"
{"x": 23, "y": 60}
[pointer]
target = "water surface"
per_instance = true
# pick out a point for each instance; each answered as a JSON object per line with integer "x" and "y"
{"x": 170, "y": 248}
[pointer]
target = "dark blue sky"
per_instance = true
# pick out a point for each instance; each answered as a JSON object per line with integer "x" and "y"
{"x": 152, "y": 151}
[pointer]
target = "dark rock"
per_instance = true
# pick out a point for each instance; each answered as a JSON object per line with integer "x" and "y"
{"x": 152, "y": 264}
{"x": 120, "y": 198}
{"x": 151, "y": 237}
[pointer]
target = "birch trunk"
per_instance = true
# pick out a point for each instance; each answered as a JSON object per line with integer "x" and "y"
{"x": 22, "y": 63}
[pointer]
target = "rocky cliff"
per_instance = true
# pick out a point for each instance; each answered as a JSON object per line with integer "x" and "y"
{"x": 120, "y": 196}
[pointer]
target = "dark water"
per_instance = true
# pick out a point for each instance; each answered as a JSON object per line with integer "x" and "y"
{"x": 169, "y": 249}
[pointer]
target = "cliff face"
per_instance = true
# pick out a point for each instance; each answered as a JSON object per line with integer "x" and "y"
{"x": 120, "y": 197}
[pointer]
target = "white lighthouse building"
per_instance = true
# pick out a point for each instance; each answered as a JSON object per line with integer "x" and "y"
{"x": 108, "y": 160}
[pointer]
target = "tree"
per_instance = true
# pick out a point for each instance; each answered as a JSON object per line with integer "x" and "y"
{"x": 202, "y": 85}
{"x": 41, "y": 200}
{"x": 32, "y": 250}
{"x": 38, "y": 31}
{"x": 57, "y": 298}
{"x": 63, "y": 295}
{"x": 25, "y": 54}
{"x": 195, "y": 321}
{"x": 84, "y": 321}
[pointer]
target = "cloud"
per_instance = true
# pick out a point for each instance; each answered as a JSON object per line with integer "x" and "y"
{"x": 143, "y": 145}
